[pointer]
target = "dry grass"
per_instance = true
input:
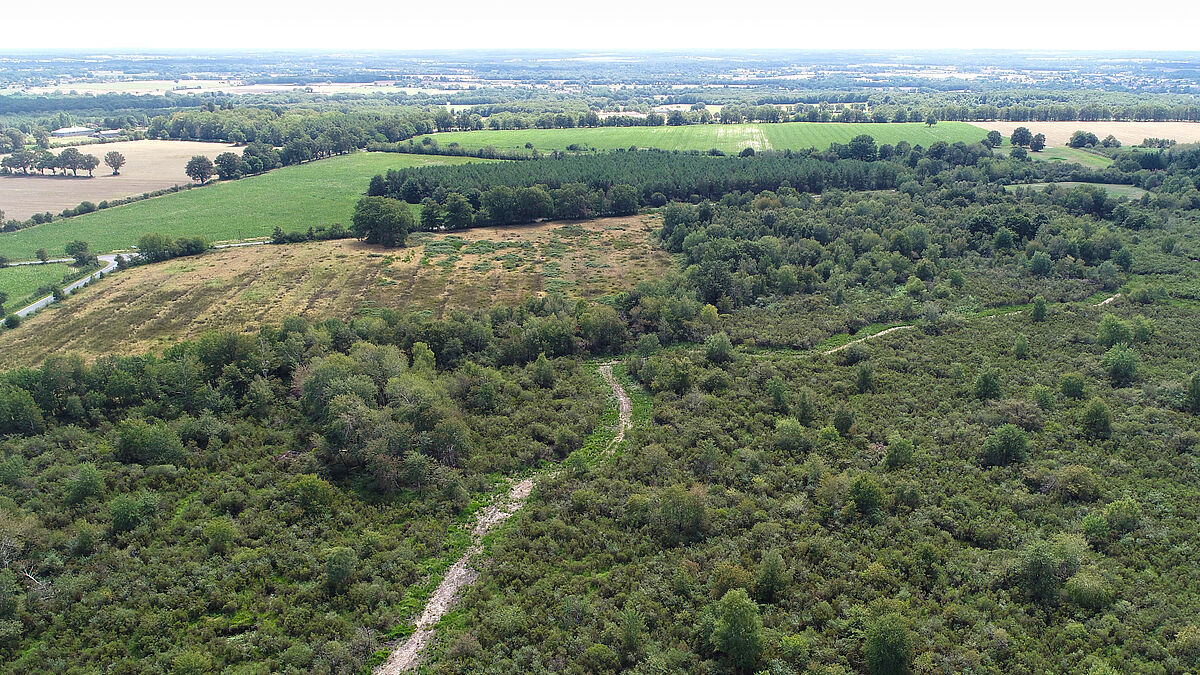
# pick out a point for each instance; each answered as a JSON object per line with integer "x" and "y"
{"x": 148, "y": 308}
{"x": 151, "y": 165}
{"x": 1129, "y": 133}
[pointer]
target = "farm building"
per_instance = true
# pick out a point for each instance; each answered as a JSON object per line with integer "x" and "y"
{"x": 71, "y": 131}
{"x": 109, "y": 133}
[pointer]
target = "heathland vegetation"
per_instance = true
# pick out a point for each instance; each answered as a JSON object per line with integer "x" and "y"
{"x": 896, "y": 405}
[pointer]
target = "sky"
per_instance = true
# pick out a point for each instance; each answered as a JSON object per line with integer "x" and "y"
{"x": 607, "y": 24}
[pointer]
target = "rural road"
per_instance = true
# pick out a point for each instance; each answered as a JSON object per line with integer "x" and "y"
{"x": 110, "y": 264}
{"x": 462, "y": 573}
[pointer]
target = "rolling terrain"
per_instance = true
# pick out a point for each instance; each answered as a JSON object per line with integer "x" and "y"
{"x": 293, "y": 198}
{"x": 148, "y": 308}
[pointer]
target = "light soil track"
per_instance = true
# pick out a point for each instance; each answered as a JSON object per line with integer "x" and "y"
{"x": 464, "y": 572}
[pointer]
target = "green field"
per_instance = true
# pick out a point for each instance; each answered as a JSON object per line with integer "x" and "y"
{"x": 294, "y": 198}
{"x": 20, "y": 281}
{"x": 725, "y": 137}
{"x": 1116, "y": 189}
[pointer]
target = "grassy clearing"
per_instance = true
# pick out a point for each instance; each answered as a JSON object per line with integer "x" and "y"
{"x": 21, "y": 282}
{"x": 148, "y": 308}
{"x": 293, "y": 198}
{"x": 1112, "y": 188}
{"x": 1065, "y": 154}
{"x": 725, "y": 137}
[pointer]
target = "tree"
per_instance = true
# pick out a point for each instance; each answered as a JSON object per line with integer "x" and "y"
{"x": 930, "y": 120}
{"x": 718, "y": 348}
{"x": 1192, "y": 396}
{"x": 1097, "y": 420}
{"x": 1113, "y": 331}
{"x": 114, "y": 160}
{"x": 1083, "y": 139}
{"x": 71, "y": 159}
{"x": 994, "y": 139}
{"x": 79, "y": 251}
{"x": 1007, "y": 445}
{"x": 42, "y": 255}
{"x": 382, "y": 220}
{"x": 1021, "y": 137}
{"x": 1038, "y": 142}
{"x": 143, "y": 443}
{"x": 737, "y": 629}
{"x": 867, "y": 495}
{"x": 790, "y": 436}
{"x": 1040, "y": 265}
{"x": 199, "y": 168}
{"x": 1039, "y": 309}
{"x": 339, "y": 567}
{"x": 229, "y": 165}
{"x": 843, "y": 420}
{"x": 899, "y": 451}
{"x": 457, "y": 212}
{"x": 889, "y": 646}
{"x": 987, "y": 384}
{"x": 771, "y": 578}
{"x": 89, "y": 163}
{"x": 88, "y": 483}
{"x": 1121, "y": 362}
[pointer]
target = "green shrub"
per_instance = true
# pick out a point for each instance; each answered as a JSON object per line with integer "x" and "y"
{"x": 899, "y": 452}
{"x": 1097, "y": 420}
{"x": 1088, "y": 590}
{"x": 1072, "y": 385}
{"x": 1121, "y": 363}
{"x": 1007, "y": 445}
{"x": 889, "y": 646}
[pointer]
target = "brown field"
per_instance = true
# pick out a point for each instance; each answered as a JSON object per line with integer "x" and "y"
{"x": 151, "y": 165}
{"x": 147, "y": 308}
{"x": 1129, "y": 133}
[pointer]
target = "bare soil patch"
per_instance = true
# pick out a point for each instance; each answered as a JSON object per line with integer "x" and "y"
{"x": 150, "y": 165}
{"x": 1129, "y": 133}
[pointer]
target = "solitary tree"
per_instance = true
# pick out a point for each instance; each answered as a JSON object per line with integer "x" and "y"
{"x": 199, "y": 168}
{"x": 930, "y": 120}
{"x": 889, "y": 647}
{"x": 1037, "y": 143}
{"x": 1007, "y": 445}
{"x": 42, "y": 255}
{"x": 737, "y": 629}
{"x": 1021, "y": 137}
{"x": 994, "y": 139}
{"x": 381, "y": 220}
{"x": 114, "y": 160}
{"x": 79, "y": 251}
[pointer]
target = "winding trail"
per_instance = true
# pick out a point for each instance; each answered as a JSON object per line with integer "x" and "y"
{"x": 893, "y": 329}
{"x": 407, "y": 655}
{"x": 864, "y": 339}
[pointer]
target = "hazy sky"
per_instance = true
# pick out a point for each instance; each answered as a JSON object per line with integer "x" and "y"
{"x": 608, "y": 24}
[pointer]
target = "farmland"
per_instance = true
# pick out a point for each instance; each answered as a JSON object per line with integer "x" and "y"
{"x": 20, "y": 281}
{"x": 728, "y": 138}
{"x": 1129, "y": 133}
{"x": 152, "y": 165}
{"x": 148, "y": 308}
{"x": 293, "y": 198}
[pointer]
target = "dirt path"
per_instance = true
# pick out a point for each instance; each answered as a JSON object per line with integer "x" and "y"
{"x": 463, "y": 573}
{"x": 625, "y": 416}
{"x": 864, "y": 339}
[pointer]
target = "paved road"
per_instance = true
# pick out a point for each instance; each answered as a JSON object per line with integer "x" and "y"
{"x": 110, "y": 264}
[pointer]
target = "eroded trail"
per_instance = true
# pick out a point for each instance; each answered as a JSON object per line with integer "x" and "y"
{"x": 464, "y": 572}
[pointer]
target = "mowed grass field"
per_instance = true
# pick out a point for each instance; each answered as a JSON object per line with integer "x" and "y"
{"x": 20, "y": 282}
{"x": 294, "y": 198}
{"x": 145, "y": 309}
{"x": 729, "y": 138}
{"x": 152, "y": 165}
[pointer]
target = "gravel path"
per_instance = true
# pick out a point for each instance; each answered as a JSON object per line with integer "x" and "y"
{"x": 463, "y": 573}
